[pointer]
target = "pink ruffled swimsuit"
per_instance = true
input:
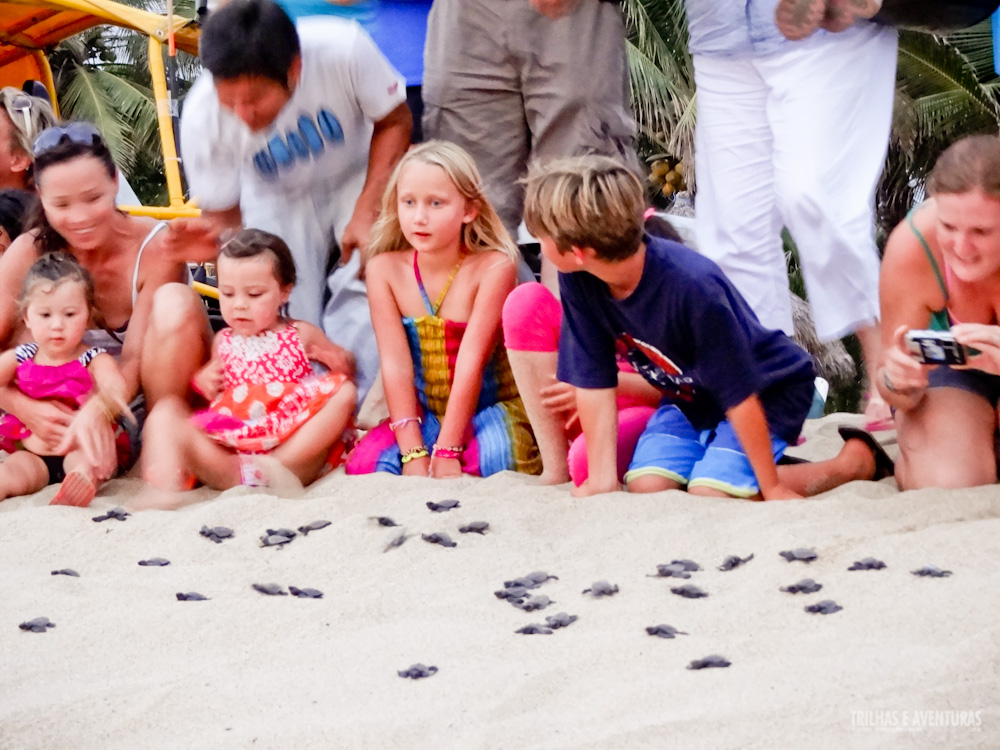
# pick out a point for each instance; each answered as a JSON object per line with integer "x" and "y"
{"x": 68, "y": 383}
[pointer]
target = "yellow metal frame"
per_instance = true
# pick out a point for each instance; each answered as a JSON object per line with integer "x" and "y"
{"x": 50, "y": 21}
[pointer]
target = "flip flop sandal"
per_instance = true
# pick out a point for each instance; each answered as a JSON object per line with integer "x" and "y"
{"x": 797, "y": 19}
{"x": 884, "y": 467}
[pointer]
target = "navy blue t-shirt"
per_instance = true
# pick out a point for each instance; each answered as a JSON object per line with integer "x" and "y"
{"x": 688, "y": 331}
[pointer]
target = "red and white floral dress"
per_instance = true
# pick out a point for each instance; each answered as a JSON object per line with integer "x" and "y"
{"x": 271, "y": 390}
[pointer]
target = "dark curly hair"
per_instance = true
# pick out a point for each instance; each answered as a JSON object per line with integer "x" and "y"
{"x": 53, "y": 269}
{"x": 250, "y": 243}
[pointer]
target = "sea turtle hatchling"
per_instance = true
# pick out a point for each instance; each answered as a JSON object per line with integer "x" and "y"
{"x": 439, "y": 537}
{"x": 384, "y": 521}
{"x": 398, "y": 540}
{"x": 931, "y": 571}
{"x": 314, "y": 526}
{"x": 443, "y": 506}
{"x": 867, "y": 563}
{"x": 802, "y": 554}
{"x": 417, "y": 672}
{"x": 689, "y": 591}
{"x": 191, "y": 596}
{"x": 561, "y": 620}
{"x": 154, "y": 562}
{"x": 271, "y": 589}
{"x": 277, "y": 537}
{"x": 709, "y": 662}
{"x": 664, "y": 631}
{"x": 66, "y": 572}
{"x": 671, "y": 570}
{"x": 531, "y": 603}
{"x": 532, "y": 580}
{"x": 534, "y": 629}
{"x": 825, "y": 607}
{"x": 476, "y": 527}
{"x": 119, "y": 514}
{"x": 601, "y": 588}
{"x": 305, "y": 593}
{"x": 805, "y": 586}
{"x": 734, "y": 561}
{"x": 38, "y": 625}
{"x": 216, "y": 533}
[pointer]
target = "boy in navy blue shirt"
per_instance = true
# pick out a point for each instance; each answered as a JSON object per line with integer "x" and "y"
{"x": 735, "y": 394}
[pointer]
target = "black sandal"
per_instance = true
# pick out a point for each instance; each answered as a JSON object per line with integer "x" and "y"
{"x": 884, "y": 467}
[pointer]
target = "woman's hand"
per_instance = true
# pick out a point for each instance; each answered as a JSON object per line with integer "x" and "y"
{"x": 92, "y": 434}
{"x": 47, "y": 420}
{"x": 986, "y": 339}
{"x": 335, "y": 358}
{"x": 192, "y": 240}
{"x": 445, "y": 468}
{"x": 209, "y": 380}
{"x": 901, "y": 373}
{"x": 559, "y": 398}
{"x": 417, "y": 467}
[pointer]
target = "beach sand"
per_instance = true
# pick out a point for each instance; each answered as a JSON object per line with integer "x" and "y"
{"x": 129, "y": 667}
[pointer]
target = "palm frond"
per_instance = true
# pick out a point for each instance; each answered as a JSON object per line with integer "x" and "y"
{"x": 86, "y": 98}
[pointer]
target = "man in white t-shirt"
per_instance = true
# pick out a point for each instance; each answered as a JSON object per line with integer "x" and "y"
{"x": 296, "y": 133}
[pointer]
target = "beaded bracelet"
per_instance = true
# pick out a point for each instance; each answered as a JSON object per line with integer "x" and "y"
{"x": 448, "y": 451}
{"x": 404, "y": 421}
{"x": 419, "y": 452}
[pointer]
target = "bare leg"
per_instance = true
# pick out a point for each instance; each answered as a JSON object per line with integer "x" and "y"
{"x": 80, "y": 484}
{"x": 22, "y": 473}
{"x": 876, "y": 410}
{"x": 947, "y": 441}
{"x": 654, "y": 483}
{"x": 174, "y": 449}
{"x": 533, "y": 371}
{"x": 177, "y": 343}
{"x": 305, "y": 452}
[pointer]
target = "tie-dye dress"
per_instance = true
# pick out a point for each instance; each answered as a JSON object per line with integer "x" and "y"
{"x": 499, "y": 437}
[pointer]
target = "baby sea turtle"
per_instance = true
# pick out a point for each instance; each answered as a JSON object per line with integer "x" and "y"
{"x": 531, "y": 603}
{"x": 689, "y": 565}
{"x": 673, "y": 570}
{"x": 825, "y": 607}
{"x": 476, "y": 527}
{"x": 417, "y": 671}
{"x": 384, "y": 521}
{"x": 397, "y": 541}
{"x": 314, "y": 526}
{"x": 709, "y": 661}
{"x": 191, "y": 596}
{"x": 277, "y": 537}
{"x": 119, "y": 514}
{"x": 805, "y": 586}
{"x": 305, "y": 593}
{"x": 66, "y": 572}
{"x": 271, "y": 589}
{"x": 601, "y": 588}
{"x": 532, "y": 580}
{"x": 38, "y": 625}
{"x": 216, "y": 533}
{"x": 734, "y": 561}
{"x": 799, "y": 553}
{"x": 443, "y": 506}
{"x": 511, "y": 593}
{"x": 155, "y": 562}
{"x": 534, "y": 629}
{"x": 931, "y": 571}
{"x": 561, "y": 620}
{"x": 439, "y": 538}
{"x": 689, "y": 591}
{"x": 664, "y": 631}
{"x": 868, "y": 563}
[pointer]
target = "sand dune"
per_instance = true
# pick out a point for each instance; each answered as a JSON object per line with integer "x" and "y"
{"x": 129, "y": 667}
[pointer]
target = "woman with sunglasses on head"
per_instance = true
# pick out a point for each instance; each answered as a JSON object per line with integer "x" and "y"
{"x": 155, "y": 325}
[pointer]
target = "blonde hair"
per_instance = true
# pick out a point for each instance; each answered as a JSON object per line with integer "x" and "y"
{"x": 40, "y": 117}
{"x": 485, "y": 232}
{"x": 586, "y": 202}
{"x": 52, "y": 270}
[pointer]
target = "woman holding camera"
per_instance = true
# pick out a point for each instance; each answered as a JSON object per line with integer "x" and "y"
{"x": 941, "y": 271}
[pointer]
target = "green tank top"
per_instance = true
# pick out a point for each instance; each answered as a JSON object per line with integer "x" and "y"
{"x": 940, "y": 320}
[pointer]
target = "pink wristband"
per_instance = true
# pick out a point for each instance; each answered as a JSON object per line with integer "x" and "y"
{"x": 454, "y": 451}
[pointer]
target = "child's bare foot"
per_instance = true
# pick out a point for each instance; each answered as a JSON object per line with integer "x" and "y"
{"x": 797, "y": 19}
{"x": 553, "y": 477}
{"x": 78, "y": 488}
{"x": 257, "y": 470}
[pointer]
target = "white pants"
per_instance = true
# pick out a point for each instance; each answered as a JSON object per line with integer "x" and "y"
{"x": 797, "y": 138}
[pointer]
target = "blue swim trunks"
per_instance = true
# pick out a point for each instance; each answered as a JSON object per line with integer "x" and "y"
{"x": 670, "y": 447}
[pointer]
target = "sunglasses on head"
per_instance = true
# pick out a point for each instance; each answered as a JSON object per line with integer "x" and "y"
{"x": 82, "y": 133}
{"x": 22, "y": 103}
